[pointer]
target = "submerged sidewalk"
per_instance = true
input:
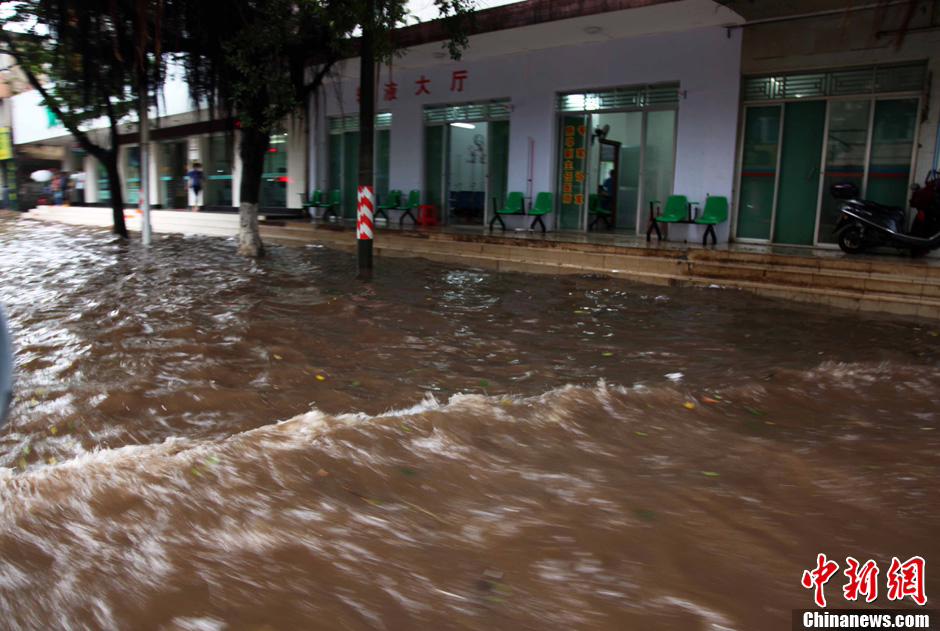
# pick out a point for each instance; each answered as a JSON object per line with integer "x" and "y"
{"x": 888, "y": 284}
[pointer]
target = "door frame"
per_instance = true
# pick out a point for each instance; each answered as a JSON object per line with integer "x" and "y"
{"x": 782, "y": 103}
{"x": 641, "y": 218}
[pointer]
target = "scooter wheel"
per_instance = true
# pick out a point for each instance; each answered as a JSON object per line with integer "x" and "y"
{"x": 850, "y": 240}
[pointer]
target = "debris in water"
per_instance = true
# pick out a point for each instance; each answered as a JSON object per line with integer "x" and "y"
{"x": 688, "y": 405}
{"x": 674, "y": 376}
{"x": 644, "y": 514}
{"x": 710, "y": 474}
{"x": 51, "y": 460}
{"x": 321, "y": 378}
{"x": 278, "y": 357}
{"x": 53, "y": 430}
{"x": 641, "y": 434}
{"x": 580, "y": 312}
{"x": 323, "y": 473}
{"x": 753, "y": 411}
{"x": 607, "y": 354}
{"x": 709, "y": 400}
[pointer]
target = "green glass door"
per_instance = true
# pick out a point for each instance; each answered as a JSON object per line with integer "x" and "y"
{"x": 892, "y": 144}
{"x": 798, "y": 195}
{"x": 758, "y": 171}
{"x": 498, "y": 176}
{"x": 350, "y": 174}
{"x": 846, "y": 144}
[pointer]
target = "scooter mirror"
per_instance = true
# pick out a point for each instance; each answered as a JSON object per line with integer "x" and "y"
{"x": 6, "y": 369}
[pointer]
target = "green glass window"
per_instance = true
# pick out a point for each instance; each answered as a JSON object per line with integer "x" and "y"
{"x": 758, "y": 171}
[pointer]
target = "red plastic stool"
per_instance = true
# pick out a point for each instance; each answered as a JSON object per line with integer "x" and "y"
{"x": 427, "y": 215}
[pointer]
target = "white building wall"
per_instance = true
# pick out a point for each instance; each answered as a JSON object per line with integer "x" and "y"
{"x": 705, "y": 62}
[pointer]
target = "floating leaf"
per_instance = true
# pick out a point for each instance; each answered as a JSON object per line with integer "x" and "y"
{"x": 321, "y": 378}
{"x": 753, "y": 411}
{"x": 51, "y": 460}
{"x": 607, "y": 354}
{"x": 710, "y": 474}
{"x": 195, "y": 471}
{"x": 212, "y": 460}
{"x": 484, "y": 383}
{"x": 709, "y": 400}
{"x": 688, "y": 405}
{"x": 27, "y": 449}
{"x": 408, "y": 471}
{"x": 354, "y": 384}
{"x": 278, "y": 357}
{"x": 322, "y": 473}
{"x": 644, "y": 514}
{"x": 581, "y": 312}
{"x": 641, "y": 434}
{"x": 53, "y": 430}
{"x": 22, "y": 463}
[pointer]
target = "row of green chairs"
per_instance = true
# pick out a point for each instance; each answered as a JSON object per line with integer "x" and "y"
{"x": 678, "y": 209}
{"x": 319, "y": 199}
{"x": 393, "y": 202}
{"x": 515, "y": 205}
{"x": 331, "y": 203}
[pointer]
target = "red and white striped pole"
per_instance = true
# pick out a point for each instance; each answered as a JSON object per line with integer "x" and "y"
{"x": 364, "y": 226}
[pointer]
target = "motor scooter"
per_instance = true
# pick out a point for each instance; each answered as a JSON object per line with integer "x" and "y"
{"x": 865, "y": 224}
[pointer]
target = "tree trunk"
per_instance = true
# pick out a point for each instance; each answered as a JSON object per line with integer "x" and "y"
{"x": 117, "y": 196}
{"x": 254, "y": 146}
{"x": 114, "y": 178}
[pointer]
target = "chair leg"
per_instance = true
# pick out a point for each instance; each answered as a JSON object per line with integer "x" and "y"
{"x": 538, "y": 220}
{"x": 709, "y": 230}
{"x": 653, "y": 225}
{"x": 381, "y": 211}
{"x": 401, "y": 220}
{"x": 502, "y": 223}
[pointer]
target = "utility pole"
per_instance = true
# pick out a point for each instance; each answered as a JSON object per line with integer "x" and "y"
{"x": 366, "y": 198}
{"x": 144, "y": 163}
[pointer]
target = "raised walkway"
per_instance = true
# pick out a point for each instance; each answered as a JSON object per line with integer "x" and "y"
{"x": 888, "y": 284}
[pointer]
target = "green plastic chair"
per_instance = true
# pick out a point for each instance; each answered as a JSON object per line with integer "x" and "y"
{"x": 392, "y": 202}
{"x": 515, "y": 205}
{"x": 330, "y": 207}
{"x": 543, "y": 206}
{"x": 414, "y": 200}
{"x": 595, "y": 210}
{"x": 714, "y": 213}
{"x": 676, "y": 211}
{"x": 310, "y": 204}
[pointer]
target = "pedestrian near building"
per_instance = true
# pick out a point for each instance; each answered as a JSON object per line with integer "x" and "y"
{"x": 195, "y": 185}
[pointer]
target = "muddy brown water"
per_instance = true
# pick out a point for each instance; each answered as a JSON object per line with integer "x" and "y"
{"x": 203, "y": 442}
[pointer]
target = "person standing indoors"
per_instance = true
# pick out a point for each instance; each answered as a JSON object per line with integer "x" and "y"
{"x": 195, "y": 186}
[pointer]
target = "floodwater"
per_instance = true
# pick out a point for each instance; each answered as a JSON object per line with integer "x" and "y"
{"x": 202, "y": 442}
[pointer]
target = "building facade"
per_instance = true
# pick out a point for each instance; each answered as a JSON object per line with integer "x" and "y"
{"x": 610, "y": 105}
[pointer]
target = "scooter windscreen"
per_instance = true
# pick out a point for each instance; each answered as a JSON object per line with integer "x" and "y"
{"x": 6, "y": 369}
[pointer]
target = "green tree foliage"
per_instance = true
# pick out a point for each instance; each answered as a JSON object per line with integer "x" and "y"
{"x": 260, "y": 60}
{"x": 89, "y": 60}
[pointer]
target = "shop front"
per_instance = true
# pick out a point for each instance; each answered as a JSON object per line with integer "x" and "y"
{"x": 803, "y": 132}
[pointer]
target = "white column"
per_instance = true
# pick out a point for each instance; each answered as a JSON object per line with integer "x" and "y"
{"x": 154, "y": 178}
{"x": 91, "y": 180}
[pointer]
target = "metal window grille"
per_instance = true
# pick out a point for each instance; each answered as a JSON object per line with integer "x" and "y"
{"x": 849, "y": 82}
{"x": 631, "y": 97}
{"x": 341, "y": 124}
{"x": 491, "y": 110}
